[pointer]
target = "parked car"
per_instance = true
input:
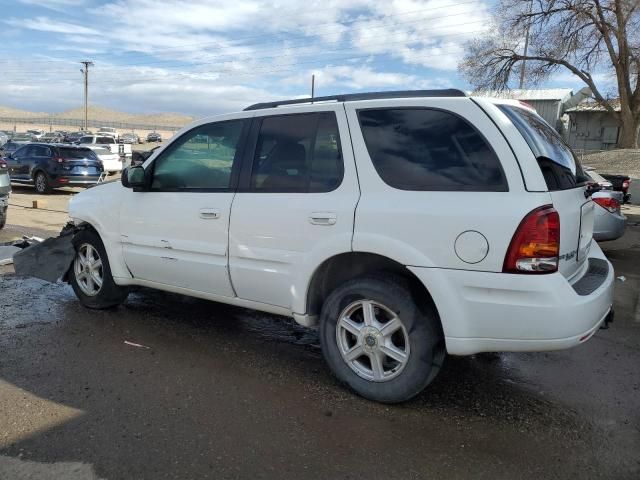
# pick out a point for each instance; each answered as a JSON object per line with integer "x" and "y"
{"x": 406, "y": 225}
{"x": 621, "y": 183}
{"x": 74, "y": 137}
{"x": 108, "y": 132}
{"x": 52, "y": 138}
{"x": 106, "y": 142}
{"x": 154, "y": 137}
{"x": 50, "y": 166}
{"x": 130, "y": 138}
{"x": 22, "y": 138}
{"x": 36, "y": 134}
{"x": 609, "y": 222}
{"x": 5, "y": 191}
{"x": 111, "y": 162}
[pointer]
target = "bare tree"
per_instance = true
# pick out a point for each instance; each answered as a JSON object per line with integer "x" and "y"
{"x": 590, "y": 38}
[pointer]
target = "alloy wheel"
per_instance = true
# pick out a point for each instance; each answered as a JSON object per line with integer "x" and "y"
{"x": 372, "y": 340}
{"x": 88, "y": 270}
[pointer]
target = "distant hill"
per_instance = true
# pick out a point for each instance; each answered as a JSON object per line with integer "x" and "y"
{"x": 107, "y": 115}
{"x": 14, "y": 112}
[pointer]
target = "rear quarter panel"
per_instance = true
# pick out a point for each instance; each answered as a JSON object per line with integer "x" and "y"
{"x": 420, "y": 228}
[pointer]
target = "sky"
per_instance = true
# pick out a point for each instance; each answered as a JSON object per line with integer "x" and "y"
{"x": 204, "y": 57}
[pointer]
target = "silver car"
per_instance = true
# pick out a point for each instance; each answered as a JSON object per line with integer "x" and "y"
{"x": 609, "y": 222}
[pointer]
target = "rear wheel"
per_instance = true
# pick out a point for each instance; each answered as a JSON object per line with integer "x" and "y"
{"x": 91, "y": 275}
{"x": 380, "y": 340}
{"x": 42, "y": 183}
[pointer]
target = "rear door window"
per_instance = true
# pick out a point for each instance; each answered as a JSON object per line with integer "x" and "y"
{"x": 428, "y": 149}
{"x": 559, "y": 165}
{"x": 297, "y": 153}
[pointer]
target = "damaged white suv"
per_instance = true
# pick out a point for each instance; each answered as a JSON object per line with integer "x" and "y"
{"x": 406, "y": 225}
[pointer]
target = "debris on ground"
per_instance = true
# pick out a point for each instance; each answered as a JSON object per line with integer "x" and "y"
{"x": 6, "y": 254}
{"x": 126, "y": 342}
{"x": 49, "y": 260}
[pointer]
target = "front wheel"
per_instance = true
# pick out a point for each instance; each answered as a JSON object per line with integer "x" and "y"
{"x": 42, "y": 183}
{"x": 90, "y": 274}
{"x": 380, "y": 340}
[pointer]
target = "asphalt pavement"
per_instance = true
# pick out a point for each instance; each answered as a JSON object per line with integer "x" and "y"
{"x": 171, "y": 387}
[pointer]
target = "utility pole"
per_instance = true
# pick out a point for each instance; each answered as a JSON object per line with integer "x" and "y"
{"x": 85, "y": 71}
{"x": 313, "y": 86}
{"x": 523, "y": 68}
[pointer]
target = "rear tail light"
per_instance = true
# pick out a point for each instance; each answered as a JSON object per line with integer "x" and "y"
{"x": 625, "y": 184}
{"x": 535, "y": 246}
{"x": 610, "y": 204}
{"x": 3, "y": 164}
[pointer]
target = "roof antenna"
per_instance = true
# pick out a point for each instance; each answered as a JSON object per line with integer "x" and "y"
{"x": 313, "y": 86}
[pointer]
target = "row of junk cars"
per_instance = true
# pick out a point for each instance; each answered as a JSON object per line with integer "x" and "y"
{"x": 61, "y": 159}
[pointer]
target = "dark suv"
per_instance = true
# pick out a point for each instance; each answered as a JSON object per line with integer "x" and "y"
{"x": 50, "y": 166}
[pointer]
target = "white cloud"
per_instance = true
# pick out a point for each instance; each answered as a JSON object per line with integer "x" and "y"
{"x": 54, "y": 4}
{"x": 46, "y": 24}
{"x": 209, "y": 56}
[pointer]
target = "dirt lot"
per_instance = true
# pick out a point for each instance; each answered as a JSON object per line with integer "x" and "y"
{"x": 223, "y": 392}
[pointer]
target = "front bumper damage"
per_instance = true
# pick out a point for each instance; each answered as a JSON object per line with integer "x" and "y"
{"x": 49, "y": 260}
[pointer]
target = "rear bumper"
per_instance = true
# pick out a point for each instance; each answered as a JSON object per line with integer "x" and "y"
{"x": 80, "y": 180}
{"x": 494, "y": 312}
{"x": 608, "y": 226}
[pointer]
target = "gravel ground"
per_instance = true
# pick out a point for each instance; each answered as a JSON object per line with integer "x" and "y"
{"x": 618, "y": 162}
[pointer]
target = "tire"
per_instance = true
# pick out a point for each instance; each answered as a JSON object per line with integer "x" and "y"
{"x": 3, "y": 217}
{"x": 41, "y": 183}
{"x": 418, "y": 336}
{"x": 84, "y": 274}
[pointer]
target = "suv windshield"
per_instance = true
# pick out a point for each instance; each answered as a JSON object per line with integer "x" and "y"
{"x": 559, "y": 165}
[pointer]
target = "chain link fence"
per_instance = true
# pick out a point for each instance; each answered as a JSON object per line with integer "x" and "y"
{"x": 79, "y": 123}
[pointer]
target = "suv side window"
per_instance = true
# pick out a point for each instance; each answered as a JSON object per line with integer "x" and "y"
{"x": 202, "y": 158}
{"x": 21, "y": 152}
{"x": 428, "y": 149}
{"x": 86, "y": 139}
{"x": 39, "y": 151}
{"x": 297, "y": 153}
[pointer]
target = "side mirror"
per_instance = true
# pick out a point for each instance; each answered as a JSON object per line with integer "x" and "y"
{"x": 133, "y": 177}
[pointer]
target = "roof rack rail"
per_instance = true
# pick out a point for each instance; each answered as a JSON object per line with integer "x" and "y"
{"x": 450, "y": 92}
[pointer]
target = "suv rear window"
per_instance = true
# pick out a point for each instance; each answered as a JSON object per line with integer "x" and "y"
{"x": 559, "y": 165}
{"x": 427, "y": 149}
{"x": 78, "y": 153}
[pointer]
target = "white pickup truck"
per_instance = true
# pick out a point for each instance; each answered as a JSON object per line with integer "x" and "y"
{"x": 109, "y": 132}
{"x": 107, "y": 142}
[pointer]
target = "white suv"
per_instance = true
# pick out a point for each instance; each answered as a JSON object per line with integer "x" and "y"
{"x": 406, "y": 225}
